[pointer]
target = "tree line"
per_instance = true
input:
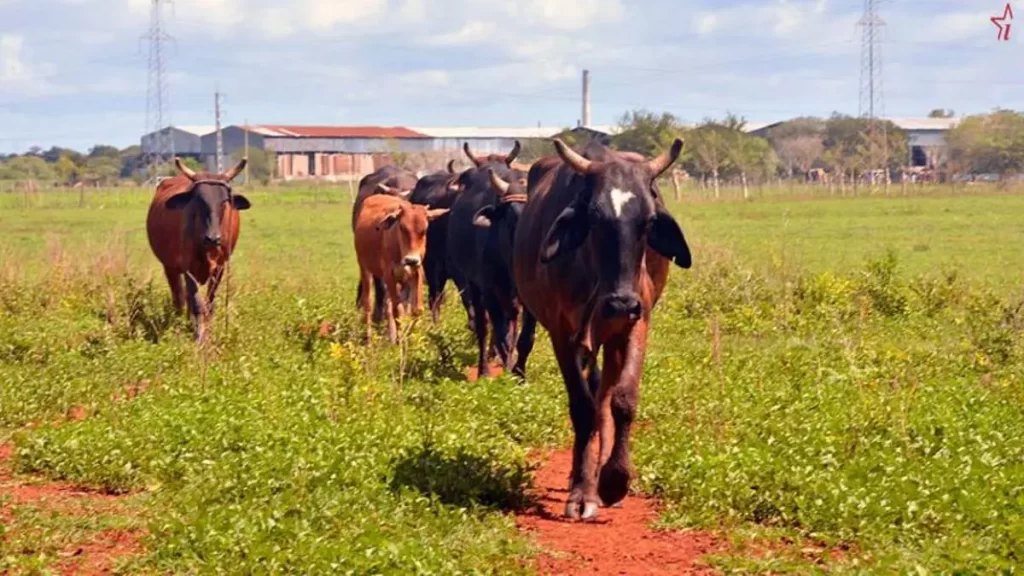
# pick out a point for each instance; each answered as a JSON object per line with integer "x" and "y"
{"x": 105, "y": 165}
{"x": 841, "y": 149}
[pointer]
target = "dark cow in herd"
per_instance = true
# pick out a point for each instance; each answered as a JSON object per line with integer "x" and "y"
{"x": 475, "y": 257}
{"x": 438, "y": 191}
{"x": 592, "y": 255}
{"x": 385, "y": 180}
{"x": 193, "y": 226}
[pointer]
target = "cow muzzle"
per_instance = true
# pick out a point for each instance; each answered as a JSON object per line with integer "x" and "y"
{"x": 624, "y": 306}
{"x": 212, "y": 240}
{"x": 412, "y": 261}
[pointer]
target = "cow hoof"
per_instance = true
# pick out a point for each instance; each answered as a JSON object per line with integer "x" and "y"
{"x": 589, "y": 511}
{"x": 613, "y": 484}
{"x": 572, "y": 510}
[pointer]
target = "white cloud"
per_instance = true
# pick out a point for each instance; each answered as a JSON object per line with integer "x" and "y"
{"x": 434, "y": 78}
{"x": 472, "y": 32}
{"x": 705, "y": 23}
{"x": 19, "y": 76}
{"x": 570, "y": 15}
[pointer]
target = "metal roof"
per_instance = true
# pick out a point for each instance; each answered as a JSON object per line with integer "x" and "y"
{"x": 284, "y": 131}
{"x": 197, "y": 130}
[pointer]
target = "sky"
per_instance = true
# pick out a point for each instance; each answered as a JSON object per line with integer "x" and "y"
{"x": 74, "y": 72}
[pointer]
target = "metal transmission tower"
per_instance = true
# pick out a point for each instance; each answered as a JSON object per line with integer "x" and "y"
{"x": 872, "y": 98}
{"x": 161, "y": 148}
{"x": 220, "y": 138}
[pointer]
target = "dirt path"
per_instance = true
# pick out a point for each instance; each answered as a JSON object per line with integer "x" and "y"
{"x": 99, "y": 552}
{"x": 620, "y": 541}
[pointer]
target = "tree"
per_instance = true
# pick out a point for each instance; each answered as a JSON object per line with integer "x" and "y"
{"x": 536, "y": 148}
{"x": 101, "y": 170}
{"x": 799, "y": 143}
{"x": 848, "y": 149}
{"x": 104, "y": 151}
{"x": 800, "y": 152}
{"x": 940, "y": 113}
{"x": 26, "y": 168}
{"x": 261, "y": 166}
{"x": 709, "y": 145}
{"x": 646, "y": 133}
{"x": 55, "y": 153}
{"x": 66, "y": 169}
{"x": 989, "y": 143}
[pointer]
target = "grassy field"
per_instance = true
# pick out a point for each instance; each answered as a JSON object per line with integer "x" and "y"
{"x": 842, "y": 371}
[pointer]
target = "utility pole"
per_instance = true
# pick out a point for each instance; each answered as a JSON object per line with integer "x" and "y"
{"x": 246, "y": 151}
{"x": 585, "y": 118}
{"x": 160, "y": 150}
{"x": 220, "y": 138}
{"x": 872, "y": 100}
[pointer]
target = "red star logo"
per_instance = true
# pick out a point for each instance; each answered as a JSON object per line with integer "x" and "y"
{"x": 1003, "y": 23}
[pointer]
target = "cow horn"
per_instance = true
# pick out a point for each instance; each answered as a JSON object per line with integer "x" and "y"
{"x": 662, "y": 162}
{"x": 516, "y": 149}
{"x": 572, "y": 158}
{"x": 234, "y": 172}
{"x": 473, "y": 159}
{"x": 499, "y": 184}
{"x": 451, "y": 166}
{"x": 384, "y": 188}
{"x": 188, "y": 172}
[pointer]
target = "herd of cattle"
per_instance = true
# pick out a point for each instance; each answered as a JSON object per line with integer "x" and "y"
{"x": 580, "y": 242}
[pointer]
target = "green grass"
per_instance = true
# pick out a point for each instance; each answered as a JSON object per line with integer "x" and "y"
{"x": 821, "y": 376}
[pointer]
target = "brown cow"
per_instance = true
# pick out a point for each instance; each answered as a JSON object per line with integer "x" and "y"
{"x": 193, "y": 227}
{"x": 592, "y": 254}
{"x": 391, "y": 241}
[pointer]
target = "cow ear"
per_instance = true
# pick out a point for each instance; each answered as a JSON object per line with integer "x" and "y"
{"x": 436, "y": 213}
{"x": 566, "y": 234}
{"x": 389, "y": 220}
{"x": 179, "y": 201}
{"x": 239, "y": 202}
{"x": 484, "y": 217}
{"x": 667, "y": 239}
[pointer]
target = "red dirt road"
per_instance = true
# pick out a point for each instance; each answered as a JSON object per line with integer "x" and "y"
{"x": 620, "y": 541}
{"x": 96, "y": 556}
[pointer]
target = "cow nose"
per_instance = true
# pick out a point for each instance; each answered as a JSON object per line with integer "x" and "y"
{"x": 212, "y": 240}
{"x": 413, "y": 261}
{"x": 622, "y": 306}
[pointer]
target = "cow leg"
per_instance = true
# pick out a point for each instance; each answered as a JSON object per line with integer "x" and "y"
{"x": 211, "y": 291}
{"x": 499, "y": 330}
{"x": 365, "y": 280}
{"x": 618, "y": 396}
{"x": 525, "y": 344}
{"x": 583, "y": 501}
{"x": 378, "y": 300}
{"x": 393, "y": 308}
{"x": 177, "y": 291}
{"x": 480, "y": 329}
{"x": 195, "y": 307}
{"x": 435, "y": 288}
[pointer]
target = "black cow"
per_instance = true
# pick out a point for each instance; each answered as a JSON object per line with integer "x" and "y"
{"x": 593, "y": 249}
{"x": 438, "y": 190}
{"x": 384, "y": 180}
{"x": 474, "y": 253}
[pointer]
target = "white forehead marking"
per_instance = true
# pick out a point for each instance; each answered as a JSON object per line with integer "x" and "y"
{"x": 619, "y": 199}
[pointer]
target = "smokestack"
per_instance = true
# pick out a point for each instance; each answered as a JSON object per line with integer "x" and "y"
{"x": 586, "y": 98}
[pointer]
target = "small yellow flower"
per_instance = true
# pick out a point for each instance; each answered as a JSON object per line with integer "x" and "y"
{"x": 336, "y": 351}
